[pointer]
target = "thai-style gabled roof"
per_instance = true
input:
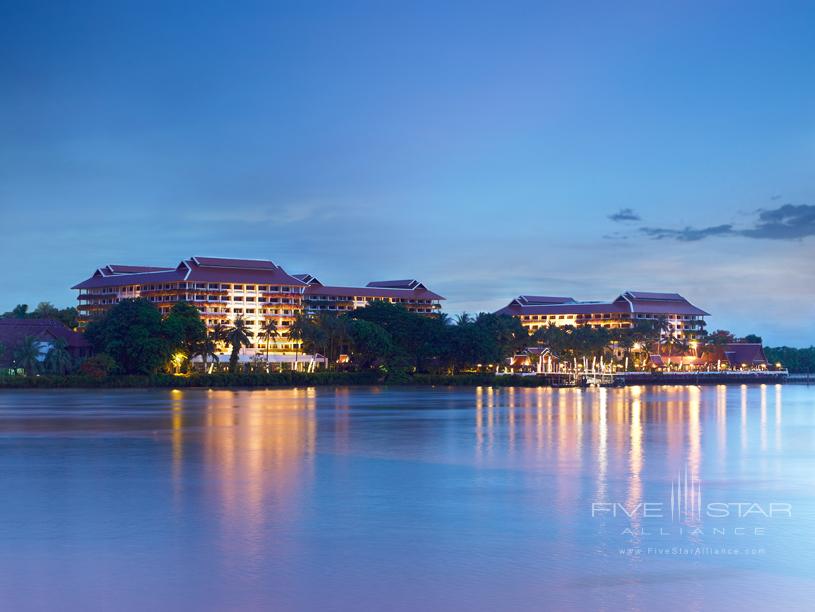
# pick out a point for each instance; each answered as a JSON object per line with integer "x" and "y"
{"x": 215, "y": 269}
{"x": 660, "y": 303}
{"x": 420, "y": 292}
{"x": 744, "y": 353}
{"x": 308, "y": 279}
{"x": 537, "y": 300}
{"x": 630, "y": 301}
{"x": 397, "y": 284}
{"x": 13, "y": 331}
{"x": 113, "y": 269}
{"x": 197, "y": 269}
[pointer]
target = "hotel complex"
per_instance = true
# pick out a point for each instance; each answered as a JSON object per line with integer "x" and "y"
{"x": 260, "y": 290}
{"x": 257, "y": 290}
{"x": 535, "y": 312}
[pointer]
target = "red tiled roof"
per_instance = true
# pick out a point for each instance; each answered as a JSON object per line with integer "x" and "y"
{"x": 652, "y": 295}
{"x": 630, "y": 301}
{"x": 397, "y": 284}
{"x": 13, "y": 331}
{"x": 210, "y": 269}
{"x": 574, "y": 308}
{"x": 308, "y": 279}
{"x": 739, "y": 353}
{"x": 242, "y": 264}
{"x": 537, "y": 300}
{"x": 421, "y": 294}
{"x": 200, "y": 269}
{"x": 660, "y": 303}
{"x": 120, "y": 269}
{"x": 119, "y": 280}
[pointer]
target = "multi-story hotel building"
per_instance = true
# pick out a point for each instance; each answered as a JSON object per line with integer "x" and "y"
{"x": 257, "y": 290}
{"x": 221, "y": 289}
{"x": 535, "y": 311}
{"x": 411, "y": 294}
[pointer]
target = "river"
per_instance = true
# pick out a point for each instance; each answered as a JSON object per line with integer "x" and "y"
{"x": 408, "y": 499}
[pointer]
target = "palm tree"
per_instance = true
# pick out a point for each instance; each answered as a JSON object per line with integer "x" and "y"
{"x": 27, "y": 355}
{"x": 297, "y": 331}
{"x": 205, "y": 347}
{"x": 268, "y": 332}
{"x": 465, "y": 318}
{"x": 661, "y": 330}
{"x": 58, "y": 360}
{"x": 237, "y": 336}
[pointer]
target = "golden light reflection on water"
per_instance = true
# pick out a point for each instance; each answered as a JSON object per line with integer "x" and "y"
{"x": 256, "y": 451}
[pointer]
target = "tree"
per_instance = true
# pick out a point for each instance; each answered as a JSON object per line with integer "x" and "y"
{"x": 752, "y": 339}
{"x": 297, "y": 331}
{"x": 720, "y": 337}
{"x": 98, "y": 366}
{"x": 268, "y": 332}
{"x": 28, "y": 355}
{"x": 184, "y": 329}
{"x": 464, "y": 318}
{"x": 205, "y": 348}
{"x": 45, "y": 310}
{"x": 133, "y": 334}
{"x": 58, "y": 360}
{"x": 20, "y": 311}
{"x": 372, "y": 345}
{"x": 237, "y": 336}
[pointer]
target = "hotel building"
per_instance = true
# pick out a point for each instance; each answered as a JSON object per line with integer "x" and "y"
{"x": 257, "y": 290}
{"x": 411, "y": 294}
{"x": 535, "y": 311}
{"x": 221, "y": 289}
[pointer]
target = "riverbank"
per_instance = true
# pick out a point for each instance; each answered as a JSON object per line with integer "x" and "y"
{"x": 300, "y": 379}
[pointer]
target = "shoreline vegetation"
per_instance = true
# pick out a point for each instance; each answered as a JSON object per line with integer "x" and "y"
{"x": 291, "y": 379}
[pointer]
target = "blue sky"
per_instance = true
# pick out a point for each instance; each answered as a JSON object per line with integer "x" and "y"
{"x": 486, "y": 149}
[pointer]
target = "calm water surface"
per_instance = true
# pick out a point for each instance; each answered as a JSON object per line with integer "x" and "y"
{"x": 408, "y": 499}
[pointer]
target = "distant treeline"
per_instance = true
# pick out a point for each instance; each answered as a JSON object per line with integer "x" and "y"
{"x": 796, "y": 360}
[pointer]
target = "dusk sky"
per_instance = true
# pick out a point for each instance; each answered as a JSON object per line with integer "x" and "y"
{"x": 488, "y": 150}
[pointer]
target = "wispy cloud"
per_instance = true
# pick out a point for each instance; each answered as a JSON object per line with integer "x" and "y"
{"x": 687, "y": 234}
{"x": 623, "y": 215}
{"x": 787, "y": 222}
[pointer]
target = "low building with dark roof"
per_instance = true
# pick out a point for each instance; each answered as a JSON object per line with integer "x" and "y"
{"x": 46, "y": 332}
{"x": 535, "y": 312}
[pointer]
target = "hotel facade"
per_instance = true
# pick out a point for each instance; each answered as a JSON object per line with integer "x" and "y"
{"x": 257, "y": 290}
{"x": 534, "y": 311}
{"x": 411, "y": 294}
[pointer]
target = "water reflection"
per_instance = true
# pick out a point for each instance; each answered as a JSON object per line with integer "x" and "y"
{"x": 478, "y": 498}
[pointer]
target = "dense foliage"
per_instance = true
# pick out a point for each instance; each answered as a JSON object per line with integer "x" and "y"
{"x": 796, "y": 360}
{"x": 389, "y": 337}
{"x": 135, "y": 336}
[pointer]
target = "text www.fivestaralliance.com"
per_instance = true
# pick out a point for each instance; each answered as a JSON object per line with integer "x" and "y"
{"x": 691, "y": 551}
